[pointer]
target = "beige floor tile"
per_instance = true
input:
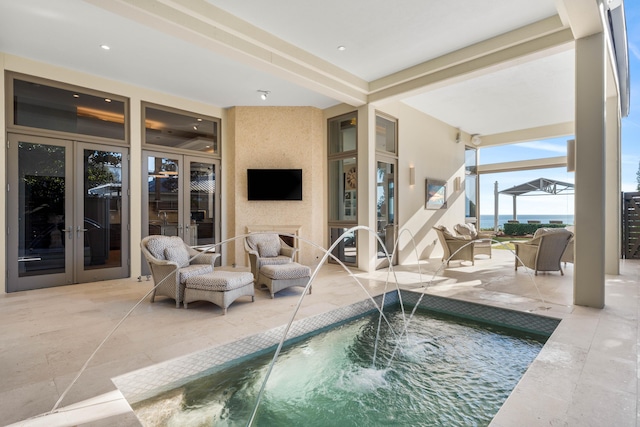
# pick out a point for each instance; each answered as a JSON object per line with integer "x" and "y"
{"x": 585, "y": 375}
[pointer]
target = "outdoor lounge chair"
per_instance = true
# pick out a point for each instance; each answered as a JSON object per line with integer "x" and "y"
{"x": 267, "y": 249}
{"x": 171, "y": 264}
{"x": 482, "y": 240}
{"x": 455, "y": 247}
{"x": 544, "y": 251}
{"x": 567, "y": 256}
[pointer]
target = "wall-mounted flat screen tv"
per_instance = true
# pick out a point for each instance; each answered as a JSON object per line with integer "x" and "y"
{"x": 274, "y": 184}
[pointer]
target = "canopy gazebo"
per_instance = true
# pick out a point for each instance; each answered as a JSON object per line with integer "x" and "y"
{"x": 537, "y": 187}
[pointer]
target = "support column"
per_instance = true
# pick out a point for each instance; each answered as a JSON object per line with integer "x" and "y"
{"x": 367, "y": 243}
{"x": 613, "y": 209}
{"x": 588, "y": 279}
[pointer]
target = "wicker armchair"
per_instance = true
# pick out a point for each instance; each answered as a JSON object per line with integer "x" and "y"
{"x": 567, "y": 256}
{"x": 455, "y": 247}
{"x": 267, "y": 249}
{"x": 482, "y": 240}
{"x": 171, "y": 262}
{"x": 544, "y": 251}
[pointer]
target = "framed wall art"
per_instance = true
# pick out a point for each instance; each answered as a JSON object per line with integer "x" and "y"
{"x": 435, "y": 194}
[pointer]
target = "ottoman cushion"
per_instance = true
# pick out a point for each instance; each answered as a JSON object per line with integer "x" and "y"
{"x": 194, "y": 270}
{"x": 291, "y": 270}
{"x": 220, "y": 281}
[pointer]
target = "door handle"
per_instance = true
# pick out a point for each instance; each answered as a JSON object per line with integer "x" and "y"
{"x": 69, "y": 230}
{"x": 78, "y": 230}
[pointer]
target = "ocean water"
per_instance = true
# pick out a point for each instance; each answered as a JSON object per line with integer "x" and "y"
{"x": 486, "y": 221}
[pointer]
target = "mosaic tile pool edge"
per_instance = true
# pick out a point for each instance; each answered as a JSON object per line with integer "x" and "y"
{"x": 148, "y": 382}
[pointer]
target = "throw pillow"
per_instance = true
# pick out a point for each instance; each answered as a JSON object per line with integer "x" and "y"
{"x": 177, "y": 254}
{"x": 269, "y": 249}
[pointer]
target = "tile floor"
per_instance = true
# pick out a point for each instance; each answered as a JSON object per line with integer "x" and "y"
{"x": 586, "y": 375}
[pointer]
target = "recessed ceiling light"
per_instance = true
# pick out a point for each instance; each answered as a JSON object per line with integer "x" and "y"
{"x": 75, "y": 95}
{"x": 107, "y": 100}
{"x": 342, "y": 48}
{"x": 199, "y": 119}
{"x": 105, "y": 47}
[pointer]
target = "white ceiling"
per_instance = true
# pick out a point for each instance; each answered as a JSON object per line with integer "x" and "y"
{"x": 381, "y": 38}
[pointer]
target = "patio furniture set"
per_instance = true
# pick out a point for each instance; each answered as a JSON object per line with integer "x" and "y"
{"x": 545, "y": 252}
{"x": 186, "y": 275}
{"x": 464, "y": 243}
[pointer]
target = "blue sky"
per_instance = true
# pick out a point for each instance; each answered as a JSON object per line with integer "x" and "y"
{"x": 557, "y": 147}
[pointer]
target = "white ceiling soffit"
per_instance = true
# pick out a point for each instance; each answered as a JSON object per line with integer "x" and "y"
{"x": 221, "y": 52}
{"x": 529, "y": 95}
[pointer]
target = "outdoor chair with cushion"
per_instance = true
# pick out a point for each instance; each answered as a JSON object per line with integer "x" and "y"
{"x": 455, "y": 247}
{"x": 482, "y": 239}
{"x": 567, "y": 256}
{"x": 267, "y": 249}
{"x": 172, "y": 262}
{"x": 544, "y": 251}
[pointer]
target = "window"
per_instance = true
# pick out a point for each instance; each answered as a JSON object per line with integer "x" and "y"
{"x": 385, "y": 134}
{"x": 471, "y": 183}
{"x": 62, "y": 108}
{"x": 343, "y": 185}
{"x": 342, "y": 134}
{"x": 180, "y": 129}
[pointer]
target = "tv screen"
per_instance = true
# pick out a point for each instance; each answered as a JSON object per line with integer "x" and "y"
{"x": 274, "y": 184}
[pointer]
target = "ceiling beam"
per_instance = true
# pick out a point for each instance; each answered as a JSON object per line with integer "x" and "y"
{"x": 527, "y": 51}
{"x": 495, "y": 44}
{"x": 557, "y": 130}
{"x": 523, "y": 165}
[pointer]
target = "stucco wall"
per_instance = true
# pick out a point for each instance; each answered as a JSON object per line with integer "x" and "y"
{"x": 278, "y": 137}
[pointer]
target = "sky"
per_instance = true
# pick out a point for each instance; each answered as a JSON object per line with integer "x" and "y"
{"x": 557, "y": 147}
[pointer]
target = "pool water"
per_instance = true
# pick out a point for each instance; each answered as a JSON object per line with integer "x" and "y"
{"x": 446, "y": 372}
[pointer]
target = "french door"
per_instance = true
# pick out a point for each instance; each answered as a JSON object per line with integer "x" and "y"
{"x": 67, "y": 212}
{"x": 181, "y": 198}
{"x": 386, "y": 208}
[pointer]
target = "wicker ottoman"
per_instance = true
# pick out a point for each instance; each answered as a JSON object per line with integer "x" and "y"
{"x": 281, "y": 276}
{"x": 219, "y": 287}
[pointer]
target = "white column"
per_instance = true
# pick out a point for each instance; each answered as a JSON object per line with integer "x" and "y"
{"x": 588, "y": 279}
{"x": 613, "y": 226}
{"x": 367, "y": 243}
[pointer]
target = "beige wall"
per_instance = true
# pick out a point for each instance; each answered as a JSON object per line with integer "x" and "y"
{"x": 429, "y": 145}
{"x": 278, "y": 137}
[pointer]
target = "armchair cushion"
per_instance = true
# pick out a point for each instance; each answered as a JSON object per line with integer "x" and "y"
{"x": 254, "y": 239}
{"x": 448, "y": 235}
{"x": 177, "y": 254}
{"x": 157, "y": 246}
{"x": 269, "y": 249}
{"x": 466, "y": 230}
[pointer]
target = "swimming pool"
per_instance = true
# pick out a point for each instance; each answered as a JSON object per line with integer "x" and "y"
{"x": 451, "y": 371}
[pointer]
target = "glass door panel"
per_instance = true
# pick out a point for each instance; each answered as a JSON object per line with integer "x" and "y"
{"x": 343, "y": 207}
{"x": 201, "y": 227}
{"x": 40, "y": 252}
{"x": 104, "y": 213}
{"x": 163, "y": 193}
{"x": 385, "y": 210}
